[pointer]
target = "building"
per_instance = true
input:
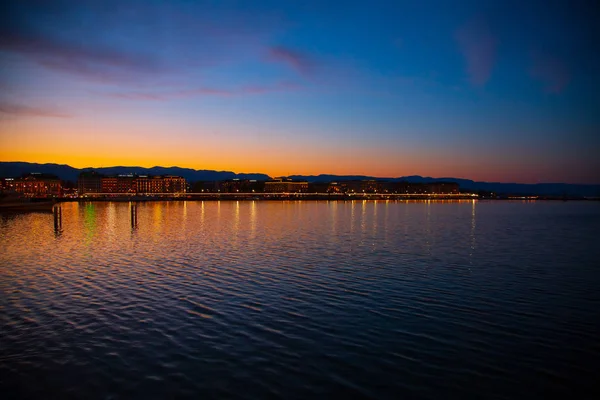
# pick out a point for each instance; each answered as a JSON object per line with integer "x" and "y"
{"x": 443, "y": 188}
{"x": 354, "y": 186}
{"x": 390, "y": 187}
{"x": 241, "y": 186}
{"x": 404, "y": 187}
{"x": 8, "y": 184}
{"x": 149, "y": 184}
{"x": 319, "y": 187}
{"x": 89, "y": 182}
{"x": 94, "y": 183}
{"x": 36, "y": 184}
{"x": 119, "y": 184}
{"x": 174, "y": 184}
{"x": 160, "y": 184}
{"x": 285, "y": 185}
{"x": 108, "y": 184}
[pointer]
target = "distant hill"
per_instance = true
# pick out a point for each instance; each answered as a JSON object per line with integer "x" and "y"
{"x": 16, "y": 169}
{"x": 66, "y": 172}
{"x": 541, "y": 189}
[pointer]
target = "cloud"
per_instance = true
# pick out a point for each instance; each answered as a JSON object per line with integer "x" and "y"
{"x": 29, "y": 111}
{"x": 96, "y": 62}
{"x": 478, "y": 46}
{"x": 552, "y": 72}
{"x": 129, "y": 42}
{"x": 139, "y": 96}
{"x": 206, "y": 91}
{"x": 283, "y": 86}
{"x": 295, "y": 59}
{"x": 170, "y": 95}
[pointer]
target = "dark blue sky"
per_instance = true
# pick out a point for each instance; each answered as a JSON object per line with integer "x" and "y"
{"x": 500, "y": 91}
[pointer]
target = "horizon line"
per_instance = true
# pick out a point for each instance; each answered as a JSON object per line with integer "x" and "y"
{"x": 306, "y": 175}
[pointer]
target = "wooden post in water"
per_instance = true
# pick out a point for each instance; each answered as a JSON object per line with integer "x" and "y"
{"x": 133, "y": 215}
{"x": 57, "y": 211}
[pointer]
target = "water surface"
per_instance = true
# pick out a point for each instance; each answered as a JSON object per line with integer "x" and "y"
{"x": 302, "y": 299}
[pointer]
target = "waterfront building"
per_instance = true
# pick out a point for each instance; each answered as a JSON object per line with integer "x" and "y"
{"x": 127, "y": 183}
{"x": 206, "y": 186}
{"x": 36, "y": 184}
{"x": 319, "y": 187}
{"x": 149, "y": 184}
{"x": 402, "y": 187}
{"x": 174, "y": 184}
{"x": 160, "y": 184}
{"x": 89, "y": 182}
{"x": 423, "y": 188}
{"x": 8, "y": 184}
{"x": 130, "y": 183}
{"x": 285, "y": 185}
{"x": 354, "y": 186}
{"x": 119, "y": 184}
{"x": 443, "y": 188}
{"x": 109, "y": 184}
{"x": 241, "y": 186}
{"x": 369, "y": 186}
{"x": 337, "y": 187}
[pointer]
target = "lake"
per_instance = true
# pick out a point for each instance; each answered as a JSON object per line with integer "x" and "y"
{"x": 256, "y": 299}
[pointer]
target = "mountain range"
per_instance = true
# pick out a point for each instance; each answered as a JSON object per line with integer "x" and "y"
{"x": 66, "y": 172}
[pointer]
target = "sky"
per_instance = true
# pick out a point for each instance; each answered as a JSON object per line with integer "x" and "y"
{"x": 505, "y": 91}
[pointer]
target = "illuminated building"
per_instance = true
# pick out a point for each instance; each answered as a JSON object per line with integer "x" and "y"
{"x": 174, "y": 184}
{"x": 8, "y": 184}
{"x": 443, "y": 187}
{"x": 241, "y": 186}
{"x": 148, "y": 184}
{"x": 402, "y": 187}
{"x": 160, "y": 184}
{"x": 369, "y": 186}
{"x": 89, "y": 182}
{"x": 109, "y": 184}
{"x": 285, "y": 185}
{"x": 119, "y": 184}
{"x": 354, "y": 186}
{"x": 126, "y": 183}
{"x": 36, "y": 184}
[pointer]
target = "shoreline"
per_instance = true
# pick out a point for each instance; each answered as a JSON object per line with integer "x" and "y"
{"x": 136, "y": 199}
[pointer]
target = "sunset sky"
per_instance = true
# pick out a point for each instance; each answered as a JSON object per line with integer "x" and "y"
{"x": 499, "y": 91}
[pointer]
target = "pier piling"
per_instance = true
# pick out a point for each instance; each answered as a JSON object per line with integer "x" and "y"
{"x": 133, "y": 208}
{"x": 57, "y": 211}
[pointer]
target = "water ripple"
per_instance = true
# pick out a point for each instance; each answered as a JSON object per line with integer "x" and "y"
{"x": 301, "y": 299}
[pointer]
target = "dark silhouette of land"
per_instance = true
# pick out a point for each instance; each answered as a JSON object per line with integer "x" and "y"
{"x": 68, "y": 173}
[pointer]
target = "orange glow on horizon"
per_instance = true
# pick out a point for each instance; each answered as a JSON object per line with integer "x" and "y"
{"x": 83, "y": 145}
{"x": 270, "y": 166}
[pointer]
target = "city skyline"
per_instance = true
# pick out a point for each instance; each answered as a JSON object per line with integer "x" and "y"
{"x": 496, "y": 92}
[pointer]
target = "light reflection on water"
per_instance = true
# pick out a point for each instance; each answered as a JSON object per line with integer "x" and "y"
{"x": 298, "y": 299}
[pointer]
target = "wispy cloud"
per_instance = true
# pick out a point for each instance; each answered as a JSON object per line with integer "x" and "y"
{"x": 206, "y": 91}
{"x": 170, "y": 95}
{"x": 297, "y": 60}
{"x": 478, "y": 46}
{"x": 21, "y": 110}
{"x": 81, "y": 58}
{"x": 264, "y": 89}
{"x": 136, "y": 41}
{"x": 552, "y": 72}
